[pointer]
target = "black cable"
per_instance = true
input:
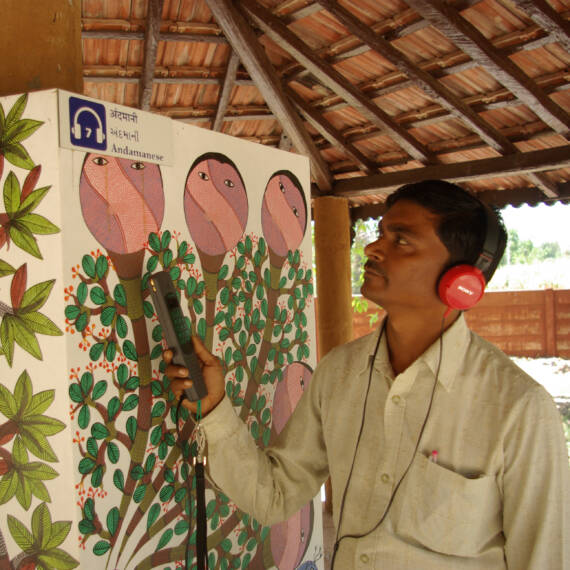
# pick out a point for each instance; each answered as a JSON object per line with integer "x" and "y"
{"x": 386, "y": 510}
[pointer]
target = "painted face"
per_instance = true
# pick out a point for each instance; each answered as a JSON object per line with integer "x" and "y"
{"x": 296, "y": 378}
{"x": 283, "y": 214}
{"x": 122, "y": 201}
{"x": 215, "y": 206}
{"x": 405, "y": 262}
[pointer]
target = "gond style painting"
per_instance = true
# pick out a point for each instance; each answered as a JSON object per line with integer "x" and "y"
{"x": 229, "y": 222}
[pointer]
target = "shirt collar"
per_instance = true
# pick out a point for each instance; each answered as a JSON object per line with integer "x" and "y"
{"x": 455, "y": 343}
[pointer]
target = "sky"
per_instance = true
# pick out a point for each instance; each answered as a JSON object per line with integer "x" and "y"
{"x": 540, "y": 224}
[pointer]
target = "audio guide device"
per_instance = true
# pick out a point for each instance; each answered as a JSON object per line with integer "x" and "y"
{"x": 176, "y": 332}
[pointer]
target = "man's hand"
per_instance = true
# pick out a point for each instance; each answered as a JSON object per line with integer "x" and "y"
{"x": 213, "y": 376}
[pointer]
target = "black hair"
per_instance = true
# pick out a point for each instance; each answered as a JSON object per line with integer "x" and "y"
{"x": 462, "y": 220}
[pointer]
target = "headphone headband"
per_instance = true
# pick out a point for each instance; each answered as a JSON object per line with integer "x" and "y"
{"x": 491, "y": 242}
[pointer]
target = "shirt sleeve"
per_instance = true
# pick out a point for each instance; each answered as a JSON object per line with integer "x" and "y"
{"x": 536, "y": 483}
{"x": 270, "y": 484}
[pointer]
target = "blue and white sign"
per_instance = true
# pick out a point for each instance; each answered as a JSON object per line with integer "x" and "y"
{"x": 88, "y": 124}
{"x": 115, "y": 130}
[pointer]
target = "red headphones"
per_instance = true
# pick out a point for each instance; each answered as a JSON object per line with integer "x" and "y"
{"x": 462, "y": 286}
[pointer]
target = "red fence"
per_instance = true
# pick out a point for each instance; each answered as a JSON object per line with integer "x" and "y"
{"x": 521, "y": 323}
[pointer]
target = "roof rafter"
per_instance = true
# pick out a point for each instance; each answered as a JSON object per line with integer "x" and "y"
{"x": 435, "y": 90}
{"x": 253, "y": 56}
{"x": 330, "y": 77}
{"x": 469, "y": 39}
{"x": 229, "y": 82}
{"x": 522, "y": 163}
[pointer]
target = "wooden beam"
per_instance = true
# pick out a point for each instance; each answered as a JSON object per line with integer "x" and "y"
{"x": 330, "y": 133}
{"x": 514, "y": 164}
{"x": 548, "y": 19}
{"x": 253, "y": 56}
{"x": 153, "y": 16}
{"x": 224, "y": 99}
{"x": 473, "y": 42}
{"x": 162, "y": 36}
{"x": 330, "y": 77}
{"x": 433, "y": 88}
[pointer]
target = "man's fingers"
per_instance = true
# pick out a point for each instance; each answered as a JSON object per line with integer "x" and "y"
{"x": 204, "y": 355}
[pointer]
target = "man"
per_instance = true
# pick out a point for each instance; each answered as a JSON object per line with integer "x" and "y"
{"x": 442, "y": 453}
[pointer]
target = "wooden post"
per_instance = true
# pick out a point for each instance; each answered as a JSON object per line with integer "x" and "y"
{"x": 549, "y": 324}
{"x": 40, "y": 46}
{"x": 332, "y": 254}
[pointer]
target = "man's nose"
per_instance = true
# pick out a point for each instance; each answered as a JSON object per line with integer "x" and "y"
{"x": 375, "y": 249}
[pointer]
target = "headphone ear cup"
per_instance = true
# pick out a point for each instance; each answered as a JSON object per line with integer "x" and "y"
{"x": 461, "y": 287}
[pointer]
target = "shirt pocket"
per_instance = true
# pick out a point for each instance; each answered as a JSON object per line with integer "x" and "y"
{"x": 446, "y": 512}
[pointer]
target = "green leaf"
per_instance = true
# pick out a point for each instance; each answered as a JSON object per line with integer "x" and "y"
{"x": 89, "y": 509}
{"x": 8, "y": 486}
{"x": 26, "y": 339}
{"x": 86, "y": 465}
{"x": 154, "y": 242}
{"x": 21, "y": 535}
{"x": 99, "y": 389}
{"x": 12, "y": 194}
{"x": 101, "y": 548}
{"x": 59, "y": 532}
{"x": 7, "y": 337}
{"x": 132, "y": 426}
{"x": 113, "y": 520}
{"x": 39, "y": 323}
{"x": 58, "y": 559}
{"x": 16, "y": 111}
{"x": 122, "y": 373}
{"x": 22, "y": 130}
{"x": 74, "y": 393}
{"x": 121, "y": 327}
{"x": 113, "y": 407}
{"x": 131, "y": 402}
{"x": 37, "y": 295}
{"x": 120, "y": 295}
{"x": 33, "y": 199}
{"x": 111, "y": 351}
{"x": 86, "y": 527}
{"x": 165, "y": 539}
{"x": 113, "y": 452}
{"x": 98, "y": 295}
{"x": 99, "y": 431}
{"x": 153, "y": 513}
{"x": 84, "y": 417}
{"x": 101, "y": 266}
{"x": 18, "y": 156}
{"x": 139, "y": 493}
{"x": 92, "y": 446}
{"x": 82, "y": 291}
{"x": 38, "y": 224}
{"x": 41, "y": 524}
{"x": 6, "y": 268}
{"x": 129, "y": 350}
{"x": 107, "y": 315}
{"x": 119, "y": 479}
{"x": 97, "y": 476}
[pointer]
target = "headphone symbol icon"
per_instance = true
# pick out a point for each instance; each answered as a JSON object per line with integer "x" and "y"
{"x": 79, "y": 132}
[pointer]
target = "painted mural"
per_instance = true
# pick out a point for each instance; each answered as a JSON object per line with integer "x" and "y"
{"x": 236, "y": 246}
{"x": 26, "y": 428}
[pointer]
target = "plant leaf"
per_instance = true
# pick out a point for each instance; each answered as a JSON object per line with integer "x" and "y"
{"x": 7, "y": 337}
{"x": 6, "y": 268}
{"x": 22, "y": 536}
{"x": 23, "y": 392}
{"x": 26, "y": 339}
{"x": 24, "y": 239}
{"x": 39, "y": 323}
{"x": 39, "y": 490}
{"x": 37, "y": 295}
{"x": 39, "y": 403}
{"x": 8, "y": 404}
{"x": 22, "y": 130}
{"x": 18, "y": 286}
{"x": 34, "y": 439}
{"x": 18, "y": 156}
{"x": 41, "y": 525}
{"x": 32, "y": 201}
{"x": 24, "y": 493}
{"x": 58, "y": 559}
{"x": 59, "y": 532}
{"x": 8, "y": 486}
{"x": 16, "y": 111}
{"x": 38, "y": 224}
{"x": 11, "y": 194}
{"x": 45, "y": 424}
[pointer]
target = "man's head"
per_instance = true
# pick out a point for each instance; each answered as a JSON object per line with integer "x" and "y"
{"x": 462, "y": 220}
{"x": 427, "y": 228}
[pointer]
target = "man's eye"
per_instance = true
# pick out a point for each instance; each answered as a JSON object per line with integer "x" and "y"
{"x": 229, "y": 183}
{"x": 401, "y": 240}
{"x": 203, "y": 175}
{"x": 100, "y": 161}
{"x": 137, "y": 165}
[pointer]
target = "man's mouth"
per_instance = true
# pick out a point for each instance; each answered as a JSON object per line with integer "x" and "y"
{"x": 374, "y": 269}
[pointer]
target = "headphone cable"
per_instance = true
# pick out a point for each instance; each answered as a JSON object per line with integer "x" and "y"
{"x": 387, "y": 509}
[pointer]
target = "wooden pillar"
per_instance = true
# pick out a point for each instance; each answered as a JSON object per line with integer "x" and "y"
{"x": 40, "y": 45}
{"x": 332, "y": 257}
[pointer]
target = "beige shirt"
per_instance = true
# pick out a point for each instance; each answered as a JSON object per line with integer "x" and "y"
{"x": 498, "y": 496}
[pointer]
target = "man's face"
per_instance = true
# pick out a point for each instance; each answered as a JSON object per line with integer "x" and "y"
{"x": 406, "y": 260}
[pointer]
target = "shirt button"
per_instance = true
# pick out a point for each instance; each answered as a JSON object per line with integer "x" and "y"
{"x": 385, "y": 478}
{"x": 396, "y": 399}
{"x": 364, "y": 558}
